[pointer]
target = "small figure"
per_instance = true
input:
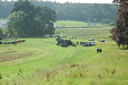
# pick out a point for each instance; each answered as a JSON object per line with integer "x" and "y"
{"x": 99, "y": 50}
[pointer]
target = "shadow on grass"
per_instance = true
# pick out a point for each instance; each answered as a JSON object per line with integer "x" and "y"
{"x": 123, "y": 48}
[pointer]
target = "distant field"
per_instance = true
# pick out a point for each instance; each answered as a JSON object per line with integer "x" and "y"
{"x": 96, "y": 33}
{"x": 70, "y": 23}
{"x": 39, "y": 61}
{"x": 77, "y": 24}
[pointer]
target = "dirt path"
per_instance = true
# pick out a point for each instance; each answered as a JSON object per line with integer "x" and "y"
{"x": 15, "y": 57}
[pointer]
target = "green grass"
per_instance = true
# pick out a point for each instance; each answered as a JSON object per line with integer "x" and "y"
{"x": 97, "y": 33}
{"x": 68, "y": 23}
{"x": 71, "y": 23}
{"x": 39, "y": 61}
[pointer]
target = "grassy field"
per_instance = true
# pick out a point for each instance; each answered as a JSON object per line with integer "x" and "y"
{"x": 77, "y": 24}
{"x": 97, "y": 33}
{"x": 39, "y": 61}
{"x": 70, "y": 23}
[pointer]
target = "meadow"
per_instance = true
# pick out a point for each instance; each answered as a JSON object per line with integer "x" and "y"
{"x": 78, "y": 24}
{"x": 39, "y": 61}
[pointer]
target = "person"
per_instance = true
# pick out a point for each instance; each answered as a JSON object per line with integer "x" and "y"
{"x": 99, "y": 50}
{"x": 18, "y": 41}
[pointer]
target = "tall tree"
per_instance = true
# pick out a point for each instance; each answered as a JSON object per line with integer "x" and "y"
{"x": 120, "y": 32}
{"x": 27, "y": 20}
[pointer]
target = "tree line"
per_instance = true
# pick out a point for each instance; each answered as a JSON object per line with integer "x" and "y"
{"x": 105, "y": 13}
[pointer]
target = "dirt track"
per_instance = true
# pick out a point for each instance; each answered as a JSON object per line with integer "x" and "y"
{"x": 15, "y": 57}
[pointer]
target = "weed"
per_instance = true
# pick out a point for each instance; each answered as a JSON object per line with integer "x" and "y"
{"x": 113, "y": 71}
{"x": 107, "y": 70}
{"x": 100, "y": 77}
{"x": 1, "y": 76}
{"x": 48, "y": 76}
{"x": 74, "y": 65}
{"x": 81, "y": 75}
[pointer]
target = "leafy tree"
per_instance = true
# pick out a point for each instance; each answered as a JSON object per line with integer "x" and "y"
{"x": 27, "y": 20}
{"x": 120, "y": 33}
{"x": 16, "y": 24}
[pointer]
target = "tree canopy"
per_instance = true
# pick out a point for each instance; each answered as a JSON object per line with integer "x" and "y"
{"x": 103, "y": 13}
{"x": 120, "y": 32}
{"x": 27, "y": 20}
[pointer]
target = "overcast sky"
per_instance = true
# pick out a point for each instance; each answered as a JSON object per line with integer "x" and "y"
{"x": 83, "y": 1}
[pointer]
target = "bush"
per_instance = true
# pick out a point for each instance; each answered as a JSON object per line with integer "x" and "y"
{"x": 0, "y": 76}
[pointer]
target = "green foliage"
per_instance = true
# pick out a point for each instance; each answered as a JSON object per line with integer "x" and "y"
{"x": 0, "y": 76}
{"x": 16, "y": 25}
{"x": 105, "y": 13}
{"x": 27, "y": 20}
